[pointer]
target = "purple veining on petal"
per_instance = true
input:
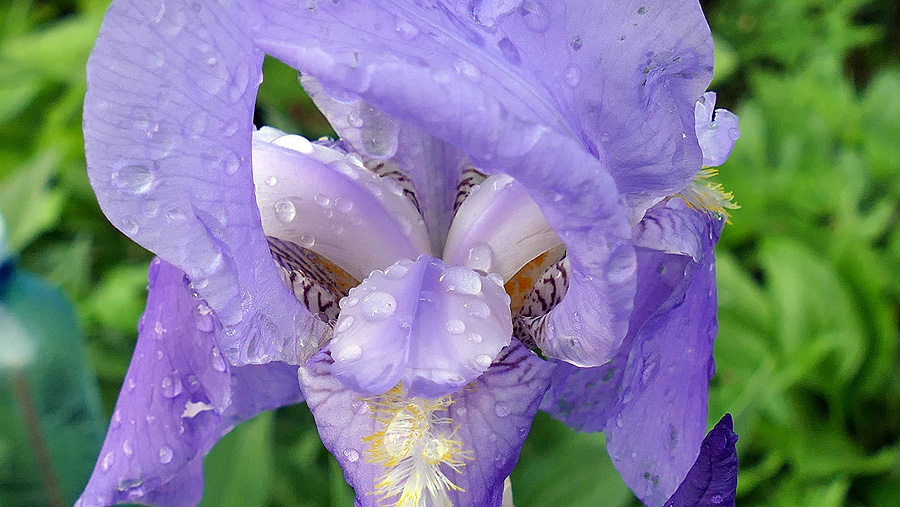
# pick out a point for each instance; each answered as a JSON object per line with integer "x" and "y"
{"x": 179, "y": 397}
{"x": 433, "y": 326}
{"x": 712, "y": 480}
{"x": 494, "y": 416}
{"x": 717, "y": 130}
{"x": 672, "y": 227}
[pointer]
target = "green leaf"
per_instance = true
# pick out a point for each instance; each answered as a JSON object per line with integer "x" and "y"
{"x": 238, "y": 469}
{"x": 561, "y": 467}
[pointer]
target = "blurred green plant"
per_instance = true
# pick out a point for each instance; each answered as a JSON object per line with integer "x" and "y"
{"x": 809, "y": 272}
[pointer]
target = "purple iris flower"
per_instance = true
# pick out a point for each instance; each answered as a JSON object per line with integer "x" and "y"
{"x": 511, "y": 177}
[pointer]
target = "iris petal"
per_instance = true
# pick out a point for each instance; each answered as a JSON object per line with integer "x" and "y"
{"x": 493, "y": 417}
{"x": 432, "y": 326}
{"x": 167, "y": 124}
{"x": 179, "y": 397}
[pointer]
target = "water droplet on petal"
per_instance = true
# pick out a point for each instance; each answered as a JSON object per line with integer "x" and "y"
{"x": 271, "y": 181}
{"x": 321, "y": 200}
{"x": 348, "y": 353}
{"x": 500, "y": 409}
{"x": 536, "y": 16}
{"x": 218, "y": 362}
{"x": 461, "y": 279}
{"x": 468, "y": 69}
{"x": 285, "y": 211}
{"x": 343, "y": 204}
{"x": 496, "y": 278}
{"x": 171, "y": 386}
{"x": 455, "y": 326}
{"x": 352, "y": 455}
{"x": 734, "y": 134}
{"x": 344, "y": 324}
{"x": 510, "y": 51}
{"x": 573, "y": 76}
{"x": 395, "y": 272}
{"x": 374, "y": 188}
{"x": 133, "y": 178}
{"x": 478, "y": 308}
{"x": 481, "y": 257}
{"x": 127, "y": 447}
{"x": 359, "y": 407}
{"x": 307, "y": 241}
{"x": 129, "y": 227}
{"x": 348, "y": 302}
{"x": 717, "y": 498}
{"x": 165, "y": 454}
{"x": 378, "y": 306}
{"x": 108, "y": 460}
{"x": 406, "y": 29}
{"x": 355, "y": 120}
{"x": 483, "y": 360}
{"x": 475, "y": 338}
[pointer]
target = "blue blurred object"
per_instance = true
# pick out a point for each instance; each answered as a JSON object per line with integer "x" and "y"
{"x": 51, "y": 420}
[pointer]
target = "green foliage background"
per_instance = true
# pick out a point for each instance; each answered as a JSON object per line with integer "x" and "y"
{"x": 809, "y": 271}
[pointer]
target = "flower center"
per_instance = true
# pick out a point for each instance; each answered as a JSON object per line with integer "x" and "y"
{"x": 415, "y": 445}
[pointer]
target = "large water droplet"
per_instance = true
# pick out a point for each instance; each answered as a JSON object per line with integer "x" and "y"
{"x": 218, "y": 362}
{"x": 343, "y": 204}
{"x": 307, "y": 241}
{"x": 344, "y": 324}
{"x": 716, "y": 499}
{"x": 127, "y": 447}
{"x": 171, "y": 386}
{"x": 734, "y": 134}
{"x": 395, "y": 272}
{"x": 481, "y": 257}
{"x": 483, "y": 360}
{"x": 165, "y": 454}
{"x": 359, "y": 407}
{"x": 355, "y": 120}
{"x": 133, "y": 178}
{"x": 461, "y": 279}
{"x": 348, "y": 353}
{"x": 475, "y": 338}
{"x": 129, "y": 227}
{"x": 455, "y": 326}
{"x": 500, "y": 409}
{"x": 322, "y": 200}
{"x": 294, "y": 142}
{"x": 285, "y": 211}
{"x": 478, "y": 308}
{"x": 271, "y": 181}
{"x": 378, "y": 306}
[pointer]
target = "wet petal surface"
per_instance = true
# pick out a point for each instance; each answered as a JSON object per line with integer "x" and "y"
{"x": 179, "y": 397}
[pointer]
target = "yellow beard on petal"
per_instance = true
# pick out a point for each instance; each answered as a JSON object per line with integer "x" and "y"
{"x": 705, "y": 195}
{"x": 413, "y": 443}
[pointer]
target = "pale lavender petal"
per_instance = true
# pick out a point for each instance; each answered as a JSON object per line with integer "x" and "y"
{"x": 320, "y": 199}
{"x": 717, "y": 130}
{"x": 672, "y": 227}
{"x": 433, "y": 326}
{"x": 494, "y": 416}
{"x": 433, "y": 165}
{"x": 655, "y": 430}
{"x": 167, "y": 123}
{"x": 712, "y": 481}
{"x": 179, "y": 397}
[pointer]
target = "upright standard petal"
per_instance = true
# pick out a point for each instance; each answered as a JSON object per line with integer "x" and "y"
{"x": 456, "y": 450}
{"x": 416, "y": 64}
{"x": 717, "y": 130}
{"x": 167, "y": 122}
{"x": 712, "y": 481}
{"x": 180, "y": 396}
